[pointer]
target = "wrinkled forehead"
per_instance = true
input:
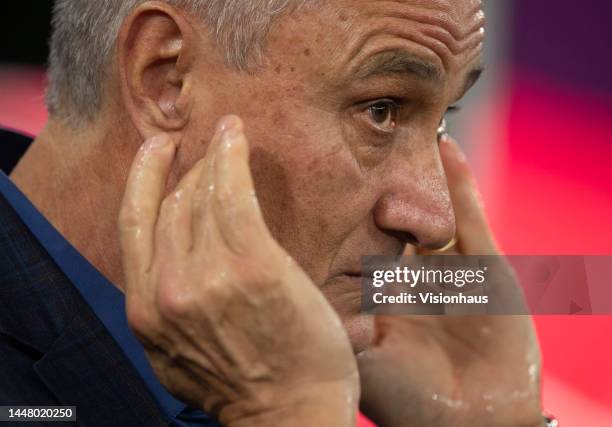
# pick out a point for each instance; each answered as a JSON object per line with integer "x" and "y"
{"x": 445, "y": 35}
{"x": 434, "y": 45}
{"x": 456, "y": 17}
{"x": 446, "y": 30}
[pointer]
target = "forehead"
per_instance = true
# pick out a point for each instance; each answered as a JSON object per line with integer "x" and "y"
{"x": 343, "y": 33}
{"x": 434, "y": 45}
{"x": 449, "y": 32}
{"x": 450, "y": 13}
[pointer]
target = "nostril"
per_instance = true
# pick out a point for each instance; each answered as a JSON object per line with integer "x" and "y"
{"x": 410, "y": 239}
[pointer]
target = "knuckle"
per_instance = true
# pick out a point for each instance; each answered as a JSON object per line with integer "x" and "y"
{"x": 262, "y": 273}
{"x": 173, "y": 304}
{"x": 129, "y": 217}
{"x": 265, "y": 283}
{"x": 255, "y": 240}
{"x": 224, "y": 195}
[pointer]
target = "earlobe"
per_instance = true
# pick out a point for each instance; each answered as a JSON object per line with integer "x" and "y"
{"x": 155, "y": 59}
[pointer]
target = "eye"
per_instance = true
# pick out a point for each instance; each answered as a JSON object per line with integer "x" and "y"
{"x": 384, "y": 115}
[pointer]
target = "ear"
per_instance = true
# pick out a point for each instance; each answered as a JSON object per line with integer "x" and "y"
{"x": 156, "y": 54}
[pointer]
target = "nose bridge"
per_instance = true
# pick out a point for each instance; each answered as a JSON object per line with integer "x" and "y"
{"x": 415, "y": 201}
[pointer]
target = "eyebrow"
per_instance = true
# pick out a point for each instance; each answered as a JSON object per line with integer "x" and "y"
{"x": 402, "y": 62}
{"x": 398, "y": 62}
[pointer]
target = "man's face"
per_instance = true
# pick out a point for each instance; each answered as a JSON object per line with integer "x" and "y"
{"x": 341, "y": 121}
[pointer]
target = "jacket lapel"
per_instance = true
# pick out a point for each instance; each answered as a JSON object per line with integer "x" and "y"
{"x": 86, "y": 368}
{"x": 80, "y": 362}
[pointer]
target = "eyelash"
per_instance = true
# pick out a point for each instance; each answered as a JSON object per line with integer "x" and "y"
{"x": 453, "y": 109}
{"x": 397, "y": 106}
{"x": 394, "y": 103}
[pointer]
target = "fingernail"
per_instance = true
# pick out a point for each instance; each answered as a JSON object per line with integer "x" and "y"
{"x": 229, "y": 138}
{"x": 228, "y": 123}
{"x": 231, "y": 134}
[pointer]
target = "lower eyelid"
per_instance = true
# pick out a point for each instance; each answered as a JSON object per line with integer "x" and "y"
{"x": 379, "y": 129}
{"x": 364, "y": 121}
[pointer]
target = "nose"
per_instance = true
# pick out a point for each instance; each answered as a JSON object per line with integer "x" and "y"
{"x": 415, "y": 203}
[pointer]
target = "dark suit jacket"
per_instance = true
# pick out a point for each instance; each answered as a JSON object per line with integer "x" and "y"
{"x": 53, "y": 349}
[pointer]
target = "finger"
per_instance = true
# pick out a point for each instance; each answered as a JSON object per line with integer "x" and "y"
{"x": 235, "y": 206}
{"x": 410, "y": 250}
{"x": 174, "y": 227}
{"x": 205, "y": 187}
{"x": 139, "y": 208}
{"x": 474, "y": 236}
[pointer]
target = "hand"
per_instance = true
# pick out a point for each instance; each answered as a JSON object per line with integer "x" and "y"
{"x": 472, "y": 370}
{"x": 230, "y": 323}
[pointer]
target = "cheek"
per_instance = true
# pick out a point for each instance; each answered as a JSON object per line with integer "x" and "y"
{"x": 312, "y": 196}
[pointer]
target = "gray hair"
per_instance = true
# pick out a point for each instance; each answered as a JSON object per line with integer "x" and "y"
{"x": 84, "y": 34}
